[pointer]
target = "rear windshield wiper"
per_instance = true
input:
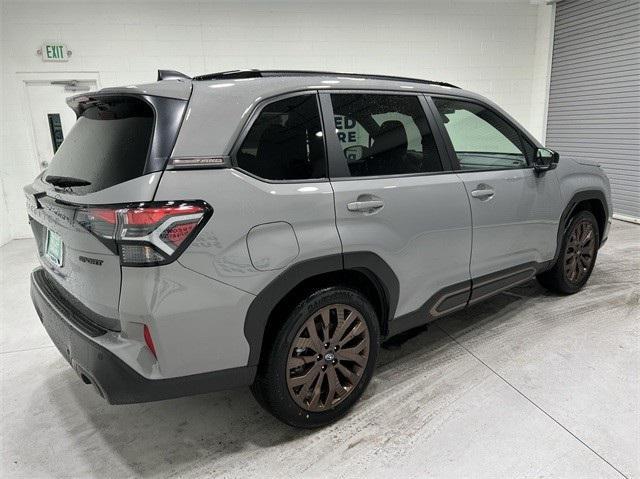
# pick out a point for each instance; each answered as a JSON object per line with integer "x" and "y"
{"x": 66, "y": 181}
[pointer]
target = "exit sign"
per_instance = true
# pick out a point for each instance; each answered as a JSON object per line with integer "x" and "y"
{"x": 54, "y": 52}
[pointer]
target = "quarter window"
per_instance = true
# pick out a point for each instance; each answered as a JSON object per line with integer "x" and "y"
{"x": 384, "y": 134}
{"x": 481, "y": 139}
{"x": 285, "y": 142}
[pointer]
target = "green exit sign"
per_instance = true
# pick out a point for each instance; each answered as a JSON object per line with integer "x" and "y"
{"x": 55, "y": 52}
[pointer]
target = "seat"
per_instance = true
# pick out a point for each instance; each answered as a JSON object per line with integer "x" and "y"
{"x": 389, "y": 149}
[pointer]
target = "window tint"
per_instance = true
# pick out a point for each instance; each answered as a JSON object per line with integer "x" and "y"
{"x": 481, "y": 139}
{"x": 384, "y": 134}
{"x": 285, "y": 142}
{"x": 107, "y": 145}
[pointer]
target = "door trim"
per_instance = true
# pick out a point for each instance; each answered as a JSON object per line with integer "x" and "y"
{"x": 461, "y": 295}
{"x": 494, "y": 283}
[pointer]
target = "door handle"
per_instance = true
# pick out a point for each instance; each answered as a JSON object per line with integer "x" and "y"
{"x": 368, "y": 206}
{"x": 483, "y": 192}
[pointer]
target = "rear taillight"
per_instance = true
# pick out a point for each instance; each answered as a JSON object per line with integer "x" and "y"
{"x": 146, "y": 234}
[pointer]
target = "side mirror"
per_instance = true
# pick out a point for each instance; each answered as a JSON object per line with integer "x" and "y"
{"x": 545, "y": 159}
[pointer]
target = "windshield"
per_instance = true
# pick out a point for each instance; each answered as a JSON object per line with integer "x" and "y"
{"x": 109, "y": 144}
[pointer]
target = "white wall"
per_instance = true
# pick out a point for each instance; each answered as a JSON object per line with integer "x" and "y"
{"x": 5, "y": 227}
{"x": 488, "y": 47}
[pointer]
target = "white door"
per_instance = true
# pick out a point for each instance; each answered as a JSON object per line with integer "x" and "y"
{"x": 51, "y": 117}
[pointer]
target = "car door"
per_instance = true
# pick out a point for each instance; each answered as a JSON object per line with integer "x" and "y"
{"x": 396, "y": 197}
{"x": 515, "y": 210}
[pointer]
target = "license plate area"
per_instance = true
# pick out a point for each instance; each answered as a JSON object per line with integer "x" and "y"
{"x": 54, "y": 249}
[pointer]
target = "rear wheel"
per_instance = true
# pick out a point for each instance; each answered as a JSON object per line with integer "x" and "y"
{"x": 321, "y": 360}
{"x": 577, "y": 258}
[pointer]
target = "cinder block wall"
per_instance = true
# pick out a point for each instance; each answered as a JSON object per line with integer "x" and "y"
{"x": 498, "y": 49}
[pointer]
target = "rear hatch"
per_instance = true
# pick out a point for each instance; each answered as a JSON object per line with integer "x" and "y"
{"x": 112, "y": 158}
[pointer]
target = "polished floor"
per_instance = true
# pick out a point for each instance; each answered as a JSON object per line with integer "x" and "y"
{"x": 529, "y": 384}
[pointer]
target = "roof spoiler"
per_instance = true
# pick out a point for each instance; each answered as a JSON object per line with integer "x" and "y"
{"x": 171, "y": 75}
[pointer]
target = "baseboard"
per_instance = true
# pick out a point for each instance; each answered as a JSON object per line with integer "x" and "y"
{"x": 629, "y": 219}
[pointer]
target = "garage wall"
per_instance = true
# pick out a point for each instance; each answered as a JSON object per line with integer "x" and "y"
{"x": 594, "y": 102}
{"x": 489, "y": 47}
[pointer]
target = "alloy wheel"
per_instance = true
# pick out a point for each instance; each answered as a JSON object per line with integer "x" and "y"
{"x": 580, "y": 251}
{"x": 328, "y": 357}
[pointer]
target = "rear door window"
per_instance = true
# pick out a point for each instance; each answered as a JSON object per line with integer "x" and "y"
{"x": 108, "y": 145}
{"x": 382, "y": 134}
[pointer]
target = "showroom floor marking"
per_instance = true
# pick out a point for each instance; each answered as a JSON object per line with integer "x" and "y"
{"x": 532, "y": 402}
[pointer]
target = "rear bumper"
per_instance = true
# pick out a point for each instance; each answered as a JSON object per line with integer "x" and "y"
{"x": 118, "y": 383}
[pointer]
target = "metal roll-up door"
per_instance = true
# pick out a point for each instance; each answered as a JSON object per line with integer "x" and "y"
{"x": 594, "y": 96}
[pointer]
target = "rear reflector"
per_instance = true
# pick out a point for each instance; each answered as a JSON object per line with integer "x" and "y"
{"x": 146, "y": 234}
{"x": 149, "y": 341}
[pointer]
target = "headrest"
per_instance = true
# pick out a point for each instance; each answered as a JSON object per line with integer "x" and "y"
{"x": 390, "y": 136}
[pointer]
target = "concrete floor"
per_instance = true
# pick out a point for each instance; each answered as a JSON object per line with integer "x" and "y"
{"x": 528, "y": 385}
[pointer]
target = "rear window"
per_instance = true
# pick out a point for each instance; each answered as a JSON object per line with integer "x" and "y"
{"x": 286, "y": 141}
{"x": 109, "y": 144}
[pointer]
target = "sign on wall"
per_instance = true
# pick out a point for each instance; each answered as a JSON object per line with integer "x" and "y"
{"x": 54, "y": 52}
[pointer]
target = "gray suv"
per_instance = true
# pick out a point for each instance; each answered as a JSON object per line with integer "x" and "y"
{"x": 271, "y": 228}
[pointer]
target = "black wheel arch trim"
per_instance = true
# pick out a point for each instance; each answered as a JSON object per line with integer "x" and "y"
{"x": 368, "y": 263}
{"x": 567, "y": 213}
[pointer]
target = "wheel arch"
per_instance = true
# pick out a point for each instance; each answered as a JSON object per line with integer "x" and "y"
{"x": 364, "y": 271}
{"x": 589, "y": 200}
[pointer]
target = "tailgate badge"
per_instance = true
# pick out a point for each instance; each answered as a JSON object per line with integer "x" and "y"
{"x": 86, "y": 259}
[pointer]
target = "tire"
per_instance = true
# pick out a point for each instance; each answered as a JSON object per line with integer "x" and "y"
{"x": 285, "y": 384}
{"x": 578, "y": 253}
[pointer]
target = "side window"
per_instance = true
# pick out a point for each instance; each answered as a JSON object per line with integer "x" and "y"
{"x": 384, "y": 134}
{"x": 285, "y": 142}
{"x": 481, "y": 139}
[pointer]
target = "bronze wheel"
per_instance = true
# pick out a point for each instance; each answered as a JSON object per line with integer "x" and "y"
{"x": 321, "y": 358}
{"x": 580, "y": 251}
{"x": 328, "y": 357}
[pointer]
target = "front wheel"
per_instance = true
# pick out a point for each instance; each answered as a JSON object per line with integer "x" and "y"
{"x": 321, "y": 360}
{"x": 577, "y": 257}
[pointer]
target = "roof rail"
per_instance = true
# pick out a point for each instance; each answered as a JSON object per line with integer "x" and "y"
{"x": 171, "y": 75}
{"x": 239, "y": 74}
